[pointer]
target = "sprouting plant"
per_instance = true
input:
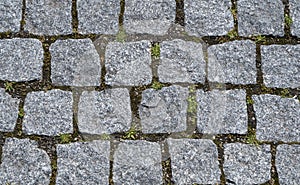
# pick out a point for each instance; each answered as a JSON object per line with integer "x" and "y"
{"x": 21, "y": 113}
{"x": 65, "y": 138}
{"x": 251, "y": 138}
{"x": 234, "y": 12}
{"x": 155, "y": 51}
{"x": 192, "y": 103}
{"x": 9, "y": 86}
{"x": 105, "y": 137}
{"x": 121, "y": 36}
{"x": 260, "y": 38}
{"x": 285, "y": 93}
{"x": 249, "y": 101}
{"x": 157, "y": 85}
{"x": 131, "y": 133}
{"x": 288, "y": 20}
{"x": 232, "y": 34}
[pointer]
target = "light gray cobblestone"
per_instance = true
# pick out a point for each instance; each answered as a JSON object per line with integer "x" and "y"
{"x": 222, "y": 112}
{"x": 294, "y": 15}
{"x": 256, "y": 17}
{"x": 9, "y": 108}
{"x": 21, "y": 59}
{"x": 48, "y": 113}
{"x": 194, "y": 161}
{"x": 24, "y": 163}
{"x": 137, "y": 162}
{"x": 281, "y": 65}
{"x": 83, "y": 163}
{"x": 278, "y": 119}
{"x": 181, "y": 61}
{"x": 232, "y": 62}
{"x": 149, "y": 16}
{"x": 98, "y": 17}
{"x": 11, "y": 15}
{"x": 208, "y": 17}
{"x": 48, "y": 17}
{"x": 104, "y": 112}
{"x": 247, "y": 164}
{"x": 164, "y": 111}
{"x": 288, "y": 164}
{"x": 75, "y": 62}
{"x": 128, "y": 64}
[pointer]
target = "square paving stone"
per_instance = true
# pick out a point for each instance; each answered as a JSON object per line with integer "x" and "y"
{"x": 149, "y": 16}
{"x": 247, "y": 164}
{"x": 165, "y": 110}
{"x": 128, "y": 64}
{"x": 48, "y": 113}
{"x": 278, "y": 119}
{"x": 11, "y": 15}
{"x": 208, "y": 17}
{"x": 281, "y": 65}
{"x": 104, "y": 112}
{"x": 83, "y": 163}
{"x": 98, "y": 17}
{"x": 181, "y": 61}
{"x": 137, "y": 162}
{"x": 294, "y": 6}
{"x": 288, "y": 164}
{"x": 194, "y": 161}
{"x": 21, "y": 59}
{"x": 75, "y": 62}
{"x": 24, "y": 163}
{"x": 257, "y": 17}
{"x": 222, "y": 112}
{"x": 232, "y": 62}
{"x": 9, "y": 108}
{"x": 48, "y": 17}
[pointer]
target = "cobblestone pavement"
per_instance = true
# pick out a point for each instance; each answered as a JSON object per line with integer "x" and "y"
{"x": 150, "y": 92}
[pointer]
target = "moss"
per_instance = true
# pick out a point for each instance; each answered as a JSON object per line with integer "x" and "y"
{"x": 260, "y": 39}
{"x": 131, "y": 133}
{"x": 288, "y": 20}
{"x": 285, "y": 93}
{"x": 251, "y": 137}
{"x": 121, "y": 36}
{"x": 232, "y": 34}
{"x": 21, "y": 113}
{"x": 155, "y": 51}
{"x": 249, "y": 101}
{"x": 105, "y": 137}
{"x": 65, "y": 138}
{"x": 157, "y": 85}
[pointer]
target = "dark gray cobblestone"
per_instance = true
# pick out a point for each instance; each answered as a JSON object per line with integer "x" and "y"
{"x": 164, "y": 111}
{"x": 247, "y": 164}
{"x": 288, "y": 164}
{"x": 9, "y": 108}
{"x": 137, "y": 162}
{"x": 21, "y": 59}
{"x": 75, "y": 62}
{"x": 83, "y": 163}
{"x": 48, "y": 113}
{"x": 24, "y": 163}
{"x": 11, "y": 14}
{"x": 181, "y": 61}
{"x": 278, "y": 119}
{"x": 104, "y": 112}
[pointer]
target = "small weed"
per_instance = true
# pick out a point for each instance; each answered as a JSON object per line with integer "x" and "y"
{"x": 105, "y": 137}
{"x": 65, "y": 138}
{"x": 232, "y": 34}
{"x": 21, "y": 113}
{"x": 285, "y": 93}
{"x": 9, "y": 86}
{"x": 156, "y": 85}
{"x": 192, "y": 104}
{"x": 260, "y": 39}
{"x": 249, "y": 101}
{"x": 288, "y": 20}
{"x": 121, "y": 36}
{"x": 234, "y": 13}
{"x": 155, "y": 51}
{"x": 251, "y": 138}
{"x": 131, "y": 133}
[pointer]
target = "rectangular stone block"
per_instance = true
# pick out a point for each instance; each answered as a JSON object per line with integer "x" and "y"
{"x": 11, "y": 15}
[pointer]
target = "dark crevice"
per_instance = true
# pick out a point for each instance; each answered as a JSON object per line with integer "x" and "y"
{"x": 259, "y": 76}
{"x": 74, "y": 16}
{"x": 122, "y": 10}
{"x": 274, "y": 174}
{"x": 23, "y": 22}
{"x": 287, "y": 28}
{"x": 179, "y": 18}
{"x": 220, "y": 148}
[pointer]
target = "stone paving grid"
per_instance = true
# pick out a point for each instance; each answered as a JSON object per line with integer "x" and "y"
{"x": 51, "y": 18}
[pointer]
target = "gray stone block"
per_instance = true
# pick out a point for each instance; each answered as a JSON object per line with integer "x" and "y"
{"x": 294, "y": 14}
{"x": 149, "y": 16}
{"x": 75, "y": 62}
{"x": 137, "y": 162}
{"x": 181, "y": 61}
{"x": 98, "y": 17}
{"x": 256, "y": 17}
{"x": 21, "y": 59}
{"x": 165, "y": 110}
{"x": 208, "y": 17}
{"x": 104, "y": 112}
{"x": 232, "y": 62}
{"x": 48, "y": 113}
{"x": 128, "y": 64}
{"x": 9, "y": 108}
{"x": 288, "y": 164}
{"x": 49, "y": 17}
{"x": 278, "y": 119}
{"x": 247, "y": 164}
{"x": 83, "y": 163}
{"x": 24, "y": 163}
{"x": 11, "y": 15}
{"x": 281, "y": 65}
{"x": 222, "y": 112}
{"x": 194, "y": 161}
